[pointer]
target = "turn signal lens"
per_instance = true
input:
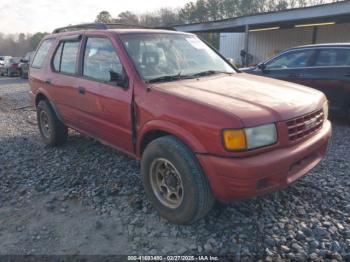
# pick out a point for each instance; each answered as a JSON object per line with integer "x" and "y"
{"x": 235, "y": 140}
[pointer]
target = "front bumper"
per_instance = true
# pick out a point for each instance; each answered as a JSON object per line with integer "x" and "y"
{"x": 240, "y": 178}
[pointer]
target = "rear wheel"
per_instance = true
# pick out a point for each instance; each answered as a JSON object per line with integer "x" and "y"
{"x": 52, "y": 130}
{"x": 174, "y": 181}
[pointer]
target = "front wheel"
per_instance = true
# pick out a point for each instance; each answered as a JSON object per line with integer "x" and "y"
{"x": 174, "y": 181}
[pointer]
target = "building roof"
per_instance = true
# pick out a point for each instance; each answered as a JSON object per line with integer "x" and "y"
{"x": 335, "y": 12}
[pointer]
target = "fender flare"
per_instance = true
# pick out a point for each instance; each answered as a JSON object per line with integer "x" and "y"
{"x": 172, "y": 129}
{"x": 53, "y": 106}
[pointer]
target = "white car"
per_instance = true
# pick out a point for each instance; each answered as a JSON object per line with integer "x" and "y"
{"x": 3, "y": 59}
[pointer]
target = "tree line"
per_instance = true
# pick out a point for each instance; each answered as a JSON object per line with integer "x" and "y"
{"x": 192, "y": 12}
{"x": 19, "y": 44}
{"x": 205, "y": 10}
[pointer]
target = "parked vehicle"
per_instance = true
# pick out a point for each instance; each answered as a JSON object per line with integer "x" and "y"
{"x": 325, "y": 67}
{"x": 202, "y": 130}
{"x": 2, "y": 64}
{"x": 11, "y": 66}
{"x": 24, "y": 64}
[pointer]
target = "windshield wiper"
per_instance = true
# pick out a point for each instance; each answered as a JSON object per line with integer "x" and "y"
{"x": 167, "y": 78}
{"x": 208, "y": 72}
{"x": 178, "y": 76}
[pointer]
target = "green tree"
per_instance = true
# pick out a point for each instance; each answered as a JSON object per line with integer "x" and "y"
{"x": 103, "y": 17}
{"x": 35, "y": 40}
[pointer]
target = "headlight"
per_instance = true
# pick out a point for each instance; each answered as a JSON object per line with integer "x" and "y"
{"x": 325, "y": 110}
{"x": 250, "y": 138}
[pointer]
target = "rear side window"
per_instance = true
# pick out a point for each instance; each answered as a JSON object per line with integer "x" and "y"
{"x": 42, "y": 52}
{"x": 333, "y": 57}
{"x": 65, "y": 59}
{"x": 294, "y": 59}
{"x": 101, "y": 61}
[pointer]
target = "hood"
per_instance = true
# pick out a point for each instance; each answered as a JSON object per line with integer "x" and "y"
{"x": 255, "y": 100}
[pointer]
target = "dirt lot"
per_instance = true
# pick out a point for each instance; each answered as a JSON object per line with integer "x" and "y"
{"x": 85, "y": 198}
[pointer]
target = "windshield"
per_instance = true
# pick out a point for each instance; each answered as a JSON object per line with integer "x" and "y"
{"x": 167, "y": 57}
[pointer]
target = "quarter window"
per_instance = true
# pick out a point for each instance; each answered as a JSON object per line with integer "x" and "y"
{"x": 333, "y": 57}
{"x": 294, "y": 59}
{"x": 42, "y": 52}
{"x": 101, "y": 61}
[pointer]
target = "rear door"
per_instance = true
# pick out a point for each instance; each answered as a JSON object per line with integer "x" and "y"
{"x": 63, "y": 79}
{"x": 331, "y": 75}
{"x": 290, "y": 66}
{"x": 104, "y": 103}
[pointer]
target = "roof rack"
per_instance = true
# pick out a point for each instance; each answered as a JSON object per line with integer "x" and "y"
{"x": 98, "y": 26}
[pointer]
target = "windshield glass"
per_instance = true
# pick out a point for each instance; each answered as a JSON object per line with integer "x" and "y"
{"x": 157, "y": 56}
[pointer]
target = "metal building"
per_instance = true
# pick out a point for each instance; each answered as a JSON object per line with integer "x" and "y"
{"x": 262, "y": 35}
{"x": 264, "y": 44}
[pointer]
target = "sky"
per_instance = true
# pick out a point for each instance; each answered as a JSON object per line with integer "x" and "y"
{"x": 30, "y": 16}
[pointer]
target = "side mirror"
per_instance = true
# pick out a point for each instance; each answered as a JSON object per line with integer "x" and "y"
{"x": 231, "y": 61}
{"x": 262, "y": 66}
{"x": 120, "y": 79}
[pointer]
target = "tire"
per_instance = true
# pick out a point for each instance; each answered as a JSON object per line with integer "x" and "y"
{"x": 193, "y": 198}
{"x": 52, "y": 130}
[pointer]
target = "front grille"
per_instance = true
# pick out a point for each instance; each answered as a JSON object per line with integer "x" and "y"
{"x": 304, "y": 126}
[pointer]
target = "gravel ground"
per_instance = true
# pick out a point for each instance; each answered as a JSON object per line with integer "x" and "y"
{"x": 85, "y": 198}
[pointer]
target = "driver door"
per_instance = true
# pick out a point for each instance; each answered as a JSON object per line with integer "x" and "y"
{"x": 105, "y": 102}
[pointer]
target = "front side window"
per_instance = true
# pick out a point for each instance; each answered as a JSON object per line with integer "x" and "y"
{"x": 294, "y": 59}
{"x": 157, "y": 55}
{"x": 333, "y": 57}
{"x": 101, "y": 61}
{"x": 42, "y": 52}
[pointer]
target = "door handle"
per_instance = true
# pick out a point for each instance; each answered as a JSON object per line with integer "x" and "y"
{"x": 347, "y": 74}
{"x": 48, "y": 81}
{"x": 81, "y": 90}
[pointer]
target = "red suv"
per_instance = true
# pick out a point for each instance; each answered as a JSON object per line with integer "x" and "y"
{"x": 202, "y": 129}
